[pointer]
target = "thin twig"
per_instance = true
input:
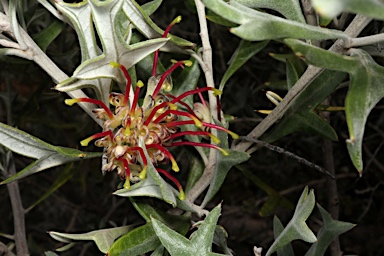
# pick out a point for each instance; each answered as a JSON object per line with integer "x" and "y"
{"x": 288, "y": 154}
{"x": 332, "y": 191}
{"x": 17, "y": 212}
{"x": 354, "y": 29}
{"x": 14, "y": 191}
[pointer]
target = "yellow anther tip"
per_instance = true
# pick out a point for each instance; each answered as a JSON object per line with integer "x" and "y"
{"x": 234, "y": 135}
{"x": 175, "y": 168}
{"x": 215, "y": 140}
{"x": 182, "y": 195}
{"x": 224, "y": 152}
{"x": 143, "y": 173}
{"x": 140, "y": 84}
{"x": 127, "y": 184}
{"x": 198, "y": 123}
{"x": 172, "y": 106}
{"x": 177, "y": 19}
{"x": 70, "y": 102}
{"x": 84, "y": 143}
{"x": 187, "y": 63}
{"x": 114, "y": 64}
{"x": 217, "y": 92}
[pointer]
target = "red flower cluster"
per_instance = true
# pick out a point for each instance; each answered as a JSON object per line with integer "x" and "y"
{"x": 133, "y": 135}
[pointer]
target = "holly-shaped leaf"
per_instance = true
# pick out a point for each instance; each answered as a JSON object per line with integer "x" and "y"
{"x": 103, "y": 238}
{"x": 328, "y": 232}
{"x": 46, "y": 154}
{"x": 144, "y": 239}
{"x": 297, "y": 228}
{"x": 365, "y": 91}
{"x": 256, "y": 25}
{"x": 200, "y": 242}
{"x": 106, "y": 16}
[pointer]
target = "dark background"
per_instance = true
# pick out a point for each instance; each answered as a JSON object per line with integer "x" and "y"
{"x": 85, "y": 202}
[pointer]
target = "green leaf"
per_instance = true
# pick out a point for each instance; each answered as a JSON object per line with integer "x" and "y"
{"x": 46, "y": 37}
{"x": 136, "y": 242}
{"x": 330, "y": 230}
{"x": 103, "y": 238}
{"x": 277, "y": 229}
{"x": 297, "y": 228}
{"x": 243, "y": 53}
{"x": 292, "y": 74}
{"x": 365, "y": 91}
{"x": 290, "y": 9}
{"x": 257, "y": 26}
{"x": 48, "y": 155}
{"x": 223, "y": 165}
{"x": 200, "y": 242}
{"x": 332, "y": 8}
{"x": 151, "y": 6}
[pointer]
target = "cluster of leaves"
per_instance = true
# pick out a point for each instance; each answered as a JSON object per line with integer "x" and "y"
{"x": 123, "y": 32}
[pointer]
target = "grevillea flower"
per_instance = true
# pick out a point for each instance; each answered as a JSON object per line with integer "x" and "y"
{"x": 156, "y": 123}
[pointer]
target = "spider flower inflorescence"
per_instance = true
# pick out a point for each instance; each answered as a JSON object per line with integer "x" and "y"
{"x": 135, "y": 135}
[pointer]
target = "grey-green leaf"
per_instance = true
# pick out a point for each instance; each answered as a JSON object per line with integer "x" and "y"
{"x": 151, "y": 6}
{"x": 328, "y": 232}
{"x": 257, "y": 26}
{"x": 200, "y": 242}
{"x": 45, "y": 37}
{"x": 297, "y": 228}
{"x": 243, "y": 53}
{"x": 366, "y": 78}
{"x": 103, "y": 238}
{"x": 46, "y": 154}
{"x": 278, "y": 227}
{"x": 136, "y": 242}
